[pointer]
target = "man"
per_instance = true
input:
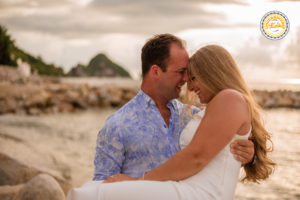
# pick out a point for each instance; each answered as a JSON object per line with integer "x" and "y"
{"x": 145, "y": 132}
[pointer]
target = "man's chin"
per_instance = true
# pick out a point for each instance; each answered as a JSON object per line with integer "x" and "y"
{"x": 178, "y": 90}
{"x": 176, "y": 95}
{"x": 173, "y": 96}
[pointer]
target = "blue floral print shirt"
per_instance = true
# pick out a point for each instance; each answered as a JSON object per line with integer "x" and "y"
{"x": 136, "y": 139}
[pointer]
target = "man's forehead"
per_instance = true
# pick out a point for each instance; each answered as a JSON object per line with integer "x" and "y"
{"x": 178, "y": 68}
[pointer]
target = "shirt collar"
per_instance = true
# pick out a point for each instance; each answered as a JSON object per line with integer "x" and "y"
{"x": 172, "y": 104}
{"x": 147, "y": 100}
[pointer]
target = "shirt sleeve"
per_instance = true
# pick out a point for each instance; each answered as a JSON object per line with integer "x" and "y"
{"x": 109, "y": 152}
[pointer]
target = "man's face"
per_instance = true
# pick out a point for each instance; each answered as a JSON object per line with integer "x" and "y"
{"x": 175, "y": 75}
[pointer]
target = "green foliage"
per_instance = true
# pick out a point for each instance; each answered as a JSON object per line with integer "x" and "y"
{"x": 6, "y": 46}
{"x": 37, "y": 64}
{"x": 9, "y": 54}
{"x": 100, "y": 62}
{"x": 100, "y": 66}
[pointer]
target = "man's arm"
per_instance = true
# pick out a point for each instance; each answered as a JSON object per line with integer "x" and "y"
{"x": 243, "y": 150}
{"x": 109, "y": 152}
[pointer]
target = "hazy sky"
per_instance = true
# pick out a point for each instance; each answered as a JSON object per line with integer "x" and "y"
{"x": 67, "y": 32}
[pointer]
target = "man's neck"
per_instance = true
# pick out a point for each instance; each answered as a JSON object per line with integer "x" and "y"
{"x": 160, "y": 101}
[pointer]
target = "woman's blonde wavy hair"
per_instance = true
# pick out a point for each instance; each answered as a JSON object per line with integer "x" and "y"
{"x": 215, "y": 68}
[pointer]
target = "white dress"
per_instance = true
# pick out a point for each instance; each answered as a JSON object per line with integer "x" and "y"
{"x": 217, "y": 180}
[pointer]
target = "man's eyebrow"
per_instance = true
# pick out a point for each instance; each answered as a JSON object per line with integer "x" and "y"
{"x": 182, "y": 69}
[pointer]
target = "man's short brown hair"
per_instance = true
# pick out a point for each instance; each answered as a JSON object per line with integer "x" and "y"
{"x": 157, "y": 51}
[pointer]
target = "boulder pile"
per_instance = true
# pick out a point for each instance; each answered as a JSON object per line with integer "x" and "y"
{"x": 59, "y": 97}
{"x": 42, "y": 95}
{"x": 22, "y": 182}
{"x": 278, "y": 98}
{"x": 37, "y": 95}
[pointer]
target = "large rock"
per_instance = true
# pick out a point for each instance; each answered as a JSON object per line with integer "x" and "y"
{"x": 114, "y": 96}
{"x": 9, "y": 74}
{"x": 296, "y": 98}
{"x": 39, "y": 98}
{"x": 284, "y": 99}
{"x": 128, "y": 95}
{"x": 78, "y": 70}
{"x": 8, "y": 192}
{"x": 14, "y": 172}
{"x": 41, "y": 187}
{"x": 66, "y": 107}
{"x": 92, "y": 99}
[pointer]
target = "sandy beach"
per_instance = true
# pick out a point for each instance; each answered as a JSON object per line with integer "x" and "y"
{"x": 64, "y": 144}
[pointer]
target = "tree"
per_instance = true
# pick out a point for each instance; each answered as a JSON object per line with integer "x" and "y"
{"x": 10, "y": 53}
{"x": 6, "y": 45}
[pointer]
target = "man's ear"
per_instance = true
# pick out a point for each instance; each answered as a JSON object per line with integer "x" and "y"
{"x": 155, "y": 71}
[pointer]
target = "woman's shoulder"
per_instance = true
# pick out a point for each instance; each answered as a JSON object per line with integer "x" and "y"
{"x": 229, "y": 93}
{"x": 230, "y": 96}
{"x": 232, "y": 106}
{"x": 230, "y": 100}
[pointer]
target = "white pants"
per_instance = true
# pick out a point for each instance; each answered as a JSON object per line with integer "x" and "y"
{"x": 126, "y": 190}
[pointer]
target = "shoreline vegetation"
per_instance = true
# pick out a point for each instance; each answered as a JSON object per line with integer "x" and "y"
{"x": 36, "y": 95}
{"x": 10, "y": 54}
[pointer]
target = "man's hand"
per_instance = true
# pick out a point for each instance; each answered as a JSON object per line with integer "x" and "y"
{"x": 242, "y": 150}
{"x": 120, "y": 177}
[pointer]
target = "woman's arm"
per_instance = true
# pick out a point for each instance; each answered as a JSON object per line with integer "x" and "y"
{"x": 225, "y": 114}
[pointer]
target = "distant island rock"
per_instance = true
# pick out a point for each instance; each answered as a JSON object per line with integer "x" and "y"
{"x": 100, "y": 66}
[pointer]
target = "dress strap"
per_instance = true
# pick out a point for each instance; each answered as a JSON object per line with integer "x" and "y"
{"x": 250, "y": 130}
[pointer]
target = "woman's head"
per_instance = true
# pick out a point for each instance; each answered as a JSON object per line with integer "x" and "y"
{"x": 212, "y": 69}
{"x": 215, "y": 69}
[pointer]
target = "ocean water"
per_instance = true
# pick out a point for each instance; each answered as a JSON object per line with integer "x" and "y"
{"x": 284, "y": 124}
{"x": 64, "y": 144}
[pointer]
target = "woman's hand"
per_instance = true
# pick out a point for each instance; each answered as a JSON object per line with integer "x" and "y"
{"x": 120, "y": 177}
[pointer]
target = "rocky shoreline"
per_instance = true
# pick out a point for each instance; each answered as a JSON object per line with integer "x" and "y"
{"x": 22, "y": 182}
{"x": 54, "y": 97}
{"x": 278, "y": 98}
{"x": 37, "y": 95}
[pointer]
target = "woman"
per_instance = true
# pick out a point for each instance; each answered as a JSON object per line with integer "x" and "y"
{"x": 204, "y": 168}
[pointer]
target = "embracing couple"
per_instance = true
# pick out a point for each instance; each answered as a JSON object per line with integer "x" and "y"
{"x": 156, "y": 148}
